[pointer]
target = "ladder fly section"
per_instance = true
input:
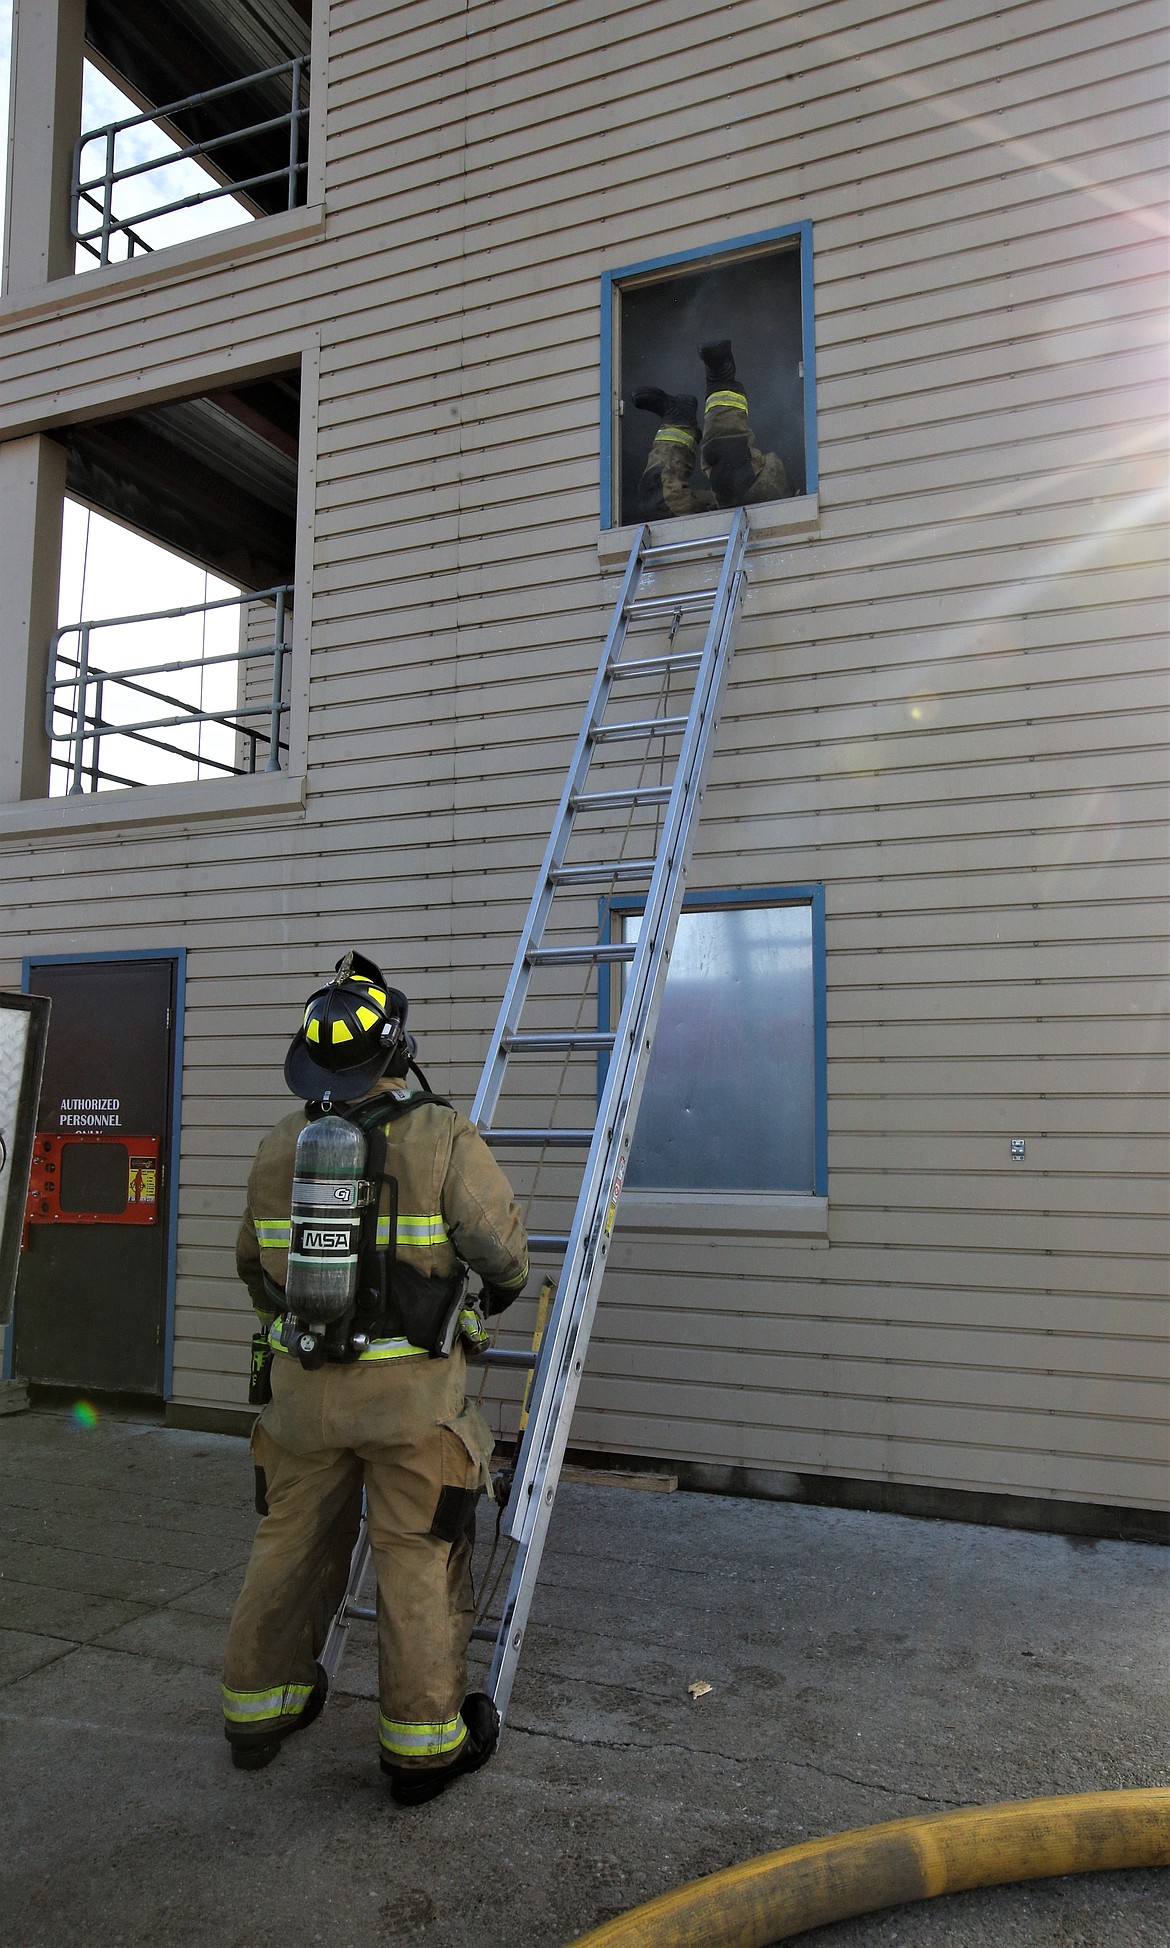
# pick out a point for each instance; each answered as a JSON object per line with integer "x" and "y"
{"x": 625, "y": 824}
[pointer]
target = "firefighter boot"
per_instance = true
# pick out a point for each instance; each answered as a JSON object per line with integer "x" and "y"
{"x": 414, "y": 1785}
{"x": 718, "y": 364}
{"x": 251, "y": 1754}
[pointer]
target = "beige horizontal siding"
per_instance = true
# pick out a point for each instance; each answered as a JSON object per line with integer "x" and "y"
{"x": 948, "y": 703}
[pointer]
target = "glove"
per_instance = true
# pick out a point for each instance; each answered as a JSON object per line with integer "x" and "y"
{"x": 495, "y": 1298}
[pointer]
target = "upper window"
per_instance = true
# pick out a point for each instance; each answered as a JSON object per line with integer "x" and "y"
{"x": 735, "y": 1095}
{"x": 708, "y": 381}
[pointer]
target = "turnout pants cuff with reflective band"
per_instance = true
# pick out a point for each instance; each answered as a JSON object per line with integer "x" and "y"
{"x": 264, "y": 1712}
{"x": 739, "y": 473}
{"x": 402, "y": 1741}
{"x": 666, "y": 486}
{"x": 403, "y": 1427}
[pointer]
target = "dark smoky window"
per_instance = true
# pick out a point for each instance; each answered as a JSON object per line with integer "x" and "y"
{"x": 751, "y": 304}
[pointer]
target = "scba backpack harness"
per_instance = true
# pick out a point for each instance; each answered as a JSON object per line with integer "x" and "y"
{"x": 344, "y": 1290}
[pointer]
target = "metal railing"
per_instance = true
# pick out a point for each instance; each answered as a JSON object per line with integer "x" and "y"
{"x": 76, "y": 702}
{"x": 108, "y": 225}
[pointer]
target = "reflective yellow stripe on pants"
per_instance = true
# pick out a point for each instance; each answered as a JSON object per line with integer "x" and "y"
{"x": 403, "y": 1740}
{"x": 256, "y": 1707}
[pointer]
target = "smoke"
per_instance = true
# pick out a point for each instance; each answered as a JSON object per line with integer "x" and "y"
{"x": 756, "y": 304}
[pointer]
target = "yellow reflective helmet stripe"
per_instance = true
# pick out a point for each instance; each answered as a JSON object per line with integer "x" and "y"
{"x": 340, "y": 1033}
{"x": 736, "y": 400}
{"x": 312, "y": 1031}
{"x": 367, "y": 1017}
{"x": 411, "y": 1740}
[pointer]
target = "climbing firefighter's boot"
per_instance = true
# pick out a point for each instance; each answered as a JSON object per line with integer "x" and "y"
{"x": 414, "y": 1785}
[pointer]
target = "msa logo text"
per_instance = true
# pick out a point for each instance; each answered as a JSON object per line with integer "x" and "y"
{"x": 324, "y": 1241}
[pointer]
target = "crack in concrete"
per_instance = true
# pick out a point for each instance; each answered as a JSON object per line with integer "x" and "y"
{"x": 67, "y": 1650}
{"x": 937, "y": 1801}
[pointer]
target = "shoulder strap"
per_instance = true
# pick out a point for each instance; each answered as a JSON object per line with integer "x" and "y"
{"x": 388, "y": 1106}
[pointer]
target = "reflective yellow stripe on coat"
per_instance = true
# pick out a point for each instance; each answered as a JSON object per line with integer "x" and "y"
{"x": 419, "y": 1230}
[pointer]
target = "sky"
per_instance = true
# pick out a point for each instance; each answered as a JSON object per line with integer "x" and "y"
{"x": 107, "y": 571}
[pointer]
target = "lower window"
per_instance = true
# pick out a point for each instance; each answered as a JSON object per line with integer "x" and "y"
{"x": 735, "y": 1095}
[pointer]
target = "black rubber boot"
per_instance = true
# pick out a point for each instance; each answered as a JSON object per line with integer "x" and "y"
{"x": 673, "y": 409}
{"x": 718, "y": 364}
{"x": 414, "y": 1785}
{"x": 252, "y": 1754}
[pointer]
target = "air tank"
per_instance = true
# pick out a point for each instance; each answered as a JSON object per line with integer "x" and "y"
{"x": 327, "y": 1199}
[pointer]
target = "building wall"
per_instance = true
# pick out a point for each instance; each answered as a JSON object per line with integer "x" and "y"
{"x": 947, "y": 705}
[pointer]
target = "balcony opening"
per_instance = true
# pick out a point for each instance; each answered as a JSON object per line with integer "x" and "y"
{"x": 172, "y": 656}
{"x": 195, "y": 118}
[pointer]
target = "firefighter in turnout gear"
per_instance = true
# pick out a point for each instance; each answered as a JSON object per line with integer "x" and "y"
{"x": 737, "y": 472}
{"x": 372, "y": 1398}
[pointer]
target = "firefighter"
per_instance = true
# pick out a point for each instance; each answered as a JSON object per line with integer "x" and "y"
{"x": 667, "y": 486}
{"x": 378, "y": 1411}
{"x": 738, "y": 472}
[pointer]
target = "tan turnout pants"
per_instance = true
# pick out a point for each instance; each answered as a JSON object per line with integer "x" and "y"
{"x": 738, "y": 472}
{"x": 402, "y": 1428}
{"x": 667, "y": 486}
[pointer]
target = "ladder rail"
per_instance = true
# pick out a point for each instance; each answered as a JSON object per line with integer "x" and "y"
{"x": 563, "y": 1350}
{"x": 665, "y": 891}
{"x": 491, "y": 1081}
{"x": 557, "y": 1367}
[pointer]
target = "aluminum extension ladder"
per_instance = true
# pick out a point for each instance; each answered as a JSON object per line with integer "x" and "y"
{"x": 645, "y": 609}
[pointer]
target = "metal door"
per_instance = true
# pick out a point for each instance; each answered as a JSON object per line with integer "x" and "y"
{"x": 91, "y": 1300}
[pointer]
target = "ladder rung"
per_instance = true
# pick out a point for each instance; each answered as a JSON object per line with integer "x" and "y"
{"x": 714, "y": 544}
{"x": 683, "y": 659}
{"x": 364, "y": 1612}
{"x": 639, "y": 727}
{"x": 558, "y": 1038}
{"x": 525, "y": 1139}
{"x": 485, "y": 1633}
{"x": 581, "y": 956}
{"x": 548, "y": 1240}
{"x": 668, "y": 605}
{"x": 618, "y": 800}
{"x": 503, "y": 1356}
{"x": 601, "y": 869}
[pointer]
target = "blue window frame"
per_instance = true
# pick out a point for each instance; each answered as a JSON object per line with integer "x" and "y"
{"x": 756, "y": 290}
{"x": 735, "y": 1097}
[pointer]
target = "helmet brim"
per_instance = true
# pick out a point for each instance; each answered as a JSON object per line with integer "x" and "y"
{"x": 311, "y": 1081}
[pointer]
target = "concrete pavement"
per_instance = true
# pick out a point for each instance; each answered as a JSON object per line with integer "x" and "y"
{"x": 863, "y": 1667}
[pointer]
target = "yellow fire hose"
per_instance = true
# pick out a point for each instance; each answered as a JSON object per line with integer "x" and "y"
{"x": 779, "y": 1895}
